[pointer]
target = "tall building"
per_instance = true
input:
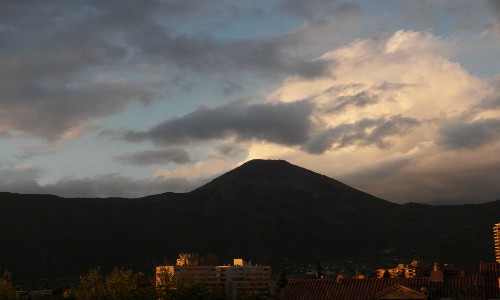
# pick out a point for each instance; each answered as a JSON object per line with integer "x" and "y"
{"x": 496, "y": 237}
{"x": 240, "y": 279}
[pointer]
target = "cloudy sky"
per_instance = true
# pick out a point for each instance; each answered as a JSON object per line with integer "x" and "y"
{"x": 400, "y": 99}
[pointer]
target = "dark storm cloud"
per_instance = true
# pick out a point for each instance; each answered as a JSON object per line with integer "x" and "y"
{"x": 283, "y": 123}
{"x": 459, "y": 134}
{"x": 495, "y": 5}
{"x": 50, "y": 113}
{"x": 311, "y": 9}
{"x": 59, "y": 70}
{"x": 64, "y": 64}
{"x": 230, "y": 150}
{"x": 152, "y": 157}
{"x": 204, "y": 53}
{"x": 363, "y": 132}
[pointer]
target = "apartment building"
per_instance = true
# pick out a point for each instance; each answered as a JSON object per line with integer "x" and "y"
{"x": 496, "y": 238}
{"x": 240, "y": 278}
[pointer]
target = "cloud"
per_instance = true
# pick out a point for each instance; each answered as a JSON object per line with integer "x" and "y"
{"x": 492, "y": 100}
{"x": 34, "y": 150}
{"x": 60, "y": 71}
{"x": 462, "y": 14}
{"x": 458, "y": 134}
{"x": 395, "y": 121}
{"x": 201, "y": 171}
{"x": 310, "y": 10}
{"x": 25, "y": 180}
{"x": 495, "y": 5}
{"x": 230, "y": 150}
{"x": 385, "y": 167}
{"x": 360, "y": 99}
{"x": 114, "y": 185}
{"x": 67, "y": 66}
{"x": 204, "y": 53}
{"x": 365, "y": 132}
{"x": 358, "y": 95}
{"x": 22, "y": 178}
{"x": 434, "y": 176}
{"x": 285, "y": 123}
{"x": 175, "y": 155}
{"x": 369, "y": 103}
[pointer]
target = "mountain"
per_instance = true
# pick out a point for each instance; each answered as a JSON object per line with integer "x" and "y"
{"x": 269, "y": 211}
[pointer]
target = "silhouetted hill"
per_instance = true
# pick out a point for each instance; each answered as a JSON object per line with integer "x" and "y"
{"x": 268, "y": 211}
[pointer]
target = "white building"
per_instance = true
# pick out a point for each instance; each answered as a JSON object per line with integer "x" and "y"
{"x": 241, "y": 278}
{"x": 496, "y": 238}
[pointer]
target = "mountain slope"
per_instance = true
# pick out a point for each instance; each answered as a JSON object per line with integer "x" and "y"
{"x": 268, "y": 211}
{"x": 285, "y": 208}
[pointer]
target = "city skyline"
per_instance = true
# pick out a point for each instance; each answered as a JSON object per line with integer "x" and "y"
{"x": 399, "y": 99}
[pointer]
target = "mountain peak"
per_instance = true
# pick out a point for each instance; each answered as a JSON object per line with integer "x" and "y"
{"x": 260, "y": 161}
{"x": 260, "y": 172}
{"x": 269, "y": 178}
{"x": 267, "y": 167}
{"x": 264, "y": 209}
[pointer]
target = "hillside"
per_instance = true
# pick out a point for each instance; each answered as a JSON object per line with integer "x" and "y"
{"x": 268, "y": 211}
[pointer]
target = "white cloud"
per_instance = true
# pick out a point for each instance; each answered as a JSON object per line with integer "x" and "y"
{"x": 407, "y": 74}
{"x": 200, "y": 171}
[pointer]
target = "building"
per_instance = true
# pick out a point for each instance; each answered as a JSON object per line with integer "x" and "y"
{"x": 491, "y": 274}
{"x": 496, "y": 238}
{"x": 457, "y": 288}
{"x": 241, "y": 278}
{"x": 401, "y": 270}
{"x": 436, "y": 286}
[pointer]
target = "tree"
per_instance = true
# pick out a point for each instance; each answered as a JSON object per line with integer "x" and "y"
{"x": 91, "y": 286}
{"x": 184, "y": 288}
{"x": 7, "y": 289}
{"x": 165, "y": 284}
{"x": 189, "y": 289}
{"x": 120, "y": 284}
{"x": 124, "y": 284}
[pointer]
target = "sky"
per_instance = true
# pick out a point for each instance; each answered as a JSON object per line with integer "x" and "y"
{"x": 400, "y": 99}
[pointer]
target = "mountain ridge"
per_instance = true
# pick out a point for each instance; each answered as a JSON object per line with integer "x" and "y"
{"x": 268, "y": 211}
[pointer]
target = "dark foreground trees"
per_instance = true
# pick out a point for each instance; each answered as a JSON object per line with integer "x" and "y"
{"x": 7, "y": 289}
{"x": 168, "y": 287}
{"x": 124, "y": 284}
